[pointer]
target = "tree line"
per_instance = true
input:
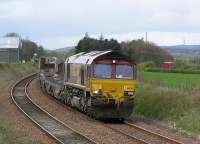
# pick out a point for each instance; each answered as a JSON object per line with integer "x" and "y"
{"x": 88, "y": 44}
{"x": 139, "y": 50}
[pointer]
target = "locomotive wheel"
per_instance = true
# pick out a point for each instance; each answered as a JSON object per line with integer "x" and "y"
{"x": 83, "y": 106}
{"x": 69, "y": 101}
{"x": 40, "y": 81}
{"x": 48, "y": 89}
{"x": 44, "y": 87}
{"x": 41, "y": 85}
{"x": 121, "y": 120}
{"x": 51, "y": 91}
{"x": 56, "y": 94}
{"x": 92, "y": 114}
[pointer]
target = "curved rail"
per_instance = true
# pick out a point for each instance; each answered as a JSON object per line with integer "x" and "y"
{"x": 56, "y": 129}
{"x": 151, "y": 137}
{"x": 164, "y": 138}
{"x": 135, "y": 138}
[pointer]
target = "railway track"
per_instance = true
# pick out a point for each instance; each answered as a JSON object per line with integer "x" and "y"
{"x": 142, "y": 135}
{"x": 53, "y": 127}
{"x": 63, "y": 134}
{"x": 153, "y": 134}
{"x": 139, "y": 140}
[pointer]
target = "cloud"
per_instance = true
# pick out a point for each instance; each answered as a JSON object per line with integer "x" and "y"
{"x": 62, "y": 10}
{"x": 59, "y": 41}
{"x": 45, "y": 20}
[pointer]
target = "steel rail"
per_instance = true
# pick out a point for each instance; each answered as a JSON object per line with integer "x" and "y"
{"x": 127, "y": 135}
{"x": 165, "y": 138}
{"x": 53, "y": 127}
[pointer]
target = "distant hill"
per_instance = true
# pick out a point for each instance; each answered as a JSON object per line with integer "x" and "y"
{"x": 181, "y": 50}
{"x": 176, "y": 50}
{"x": 65, "y": 49}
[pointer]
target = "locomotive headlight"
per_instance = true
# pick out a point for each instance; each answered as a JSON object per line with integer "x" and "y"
{"x": 128, "y": 93}
{"x": 97, "y": 92}
{"x": 96, "y": 89}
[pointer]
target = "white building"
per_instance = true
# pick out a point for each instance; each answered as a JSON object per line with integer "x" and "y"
{"x": 10, "y": 49}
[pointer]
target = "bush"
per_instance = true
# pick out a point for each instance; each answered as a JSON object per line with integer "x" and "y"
{"x": 169, "y": 105}
{"x": 159, "y": 103}
{"x": 180, "y": 64}
{"x": 146, "y": 65}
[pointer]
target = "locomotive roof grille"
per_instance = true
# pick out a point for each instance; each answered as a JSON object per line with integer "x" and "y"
{"x": 88, "y": 58}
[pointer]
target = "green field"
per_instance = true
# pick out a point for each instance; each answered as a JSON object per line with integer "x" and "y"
{"x": 170, "y": 97}
{"x": 172, "y": 80}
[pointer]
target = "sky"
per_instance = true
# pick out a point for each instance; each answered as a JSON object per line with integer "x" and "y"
{"x": 60, "y": 23}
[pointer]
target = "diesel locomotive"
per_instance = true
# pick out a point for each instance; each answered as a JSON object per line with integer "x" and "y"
{"x": 101, "y": 84}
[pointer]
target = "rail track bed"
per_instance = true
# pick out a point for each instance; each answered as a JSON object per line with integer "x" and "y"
{"x": 153, "y": 134}
{"x": 57, "y": 130}
{"x": 141, "y": 134}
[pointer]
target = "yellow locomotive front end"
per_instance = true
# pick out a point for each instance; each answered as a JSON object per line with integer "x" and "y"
{"x": 112, "y": 90}
{"x": 112, "y": 85}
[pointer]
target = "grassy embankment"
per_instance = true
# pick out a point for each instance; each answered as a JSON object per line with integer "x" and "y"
{"x": 12, "y": 72}
{"x": 171, "y": 97}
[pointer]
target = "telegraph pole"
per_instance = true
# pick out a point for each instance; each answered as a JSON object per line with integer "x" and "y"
{"x": 19, "y": 49}
{"x": 146, "y": 39}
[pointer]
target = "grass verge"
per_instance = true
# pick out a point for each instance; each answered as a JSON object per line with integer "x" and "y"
{"x": 13, "y": 71}
{"x": 7, "y": 136}
{"x": 169, "y": 105}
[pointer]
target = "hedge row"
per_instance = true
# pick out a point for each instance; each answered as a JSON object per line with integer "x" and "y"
{"x": 173, "y": 71}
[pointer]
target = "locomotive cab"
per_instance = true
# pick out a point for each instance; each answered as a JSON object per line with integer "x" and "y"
{"x": 113, "y": 80}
